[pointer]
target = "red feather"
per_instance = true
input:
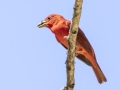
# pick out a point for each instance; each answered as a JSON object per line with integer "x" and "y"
{"x": 60, "y": 27}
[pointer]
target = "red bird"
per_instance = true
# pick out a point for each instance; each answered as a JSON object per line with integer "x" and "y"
{"x": 84, "y": 51}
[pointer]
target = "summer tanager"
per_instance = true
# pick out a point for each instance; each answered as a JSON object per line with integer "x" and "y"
{"x": 84, "y": 51}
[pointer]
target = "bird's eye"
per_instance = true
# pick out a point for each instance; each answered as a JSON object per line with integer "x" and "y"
{"x": 49, "y": 18}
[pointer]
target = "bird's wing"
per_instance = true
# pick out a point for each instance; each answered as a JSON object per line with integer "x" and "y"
{"x": 81, "y": 38}
{"x": 78, "y": 56}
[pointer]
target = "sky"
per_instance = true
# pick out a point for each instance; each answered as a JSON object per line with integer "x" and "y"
{"x": 32, "y": 59}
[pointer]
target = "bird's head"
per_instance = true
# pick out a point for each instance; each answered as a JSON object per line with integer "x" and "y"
{"x": 50, "y": 21}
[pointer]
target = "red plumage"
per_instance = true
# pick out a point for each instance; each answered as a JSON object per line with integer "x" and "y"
{"x": 84, "y": 51}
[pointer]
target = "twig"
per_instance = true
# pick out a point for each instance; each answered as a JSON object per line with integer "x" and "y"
{"x": 72, "y": 43}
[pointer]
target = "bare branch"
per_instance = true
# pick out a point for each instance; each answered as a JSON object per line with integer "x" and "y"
{"x": 72, "y": 43}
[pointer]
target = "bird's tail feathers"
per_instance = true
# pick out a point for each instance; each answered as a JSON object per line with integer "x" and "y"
{"x": 99, "y": 74}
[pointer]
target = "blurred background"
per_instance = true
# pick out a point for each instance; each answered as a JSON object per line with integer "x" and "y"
{"x": 32, "y": 59}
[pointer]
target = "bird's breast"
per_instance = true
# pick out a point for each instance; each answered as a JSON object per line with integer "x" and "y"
{"x": 60, "y": 35}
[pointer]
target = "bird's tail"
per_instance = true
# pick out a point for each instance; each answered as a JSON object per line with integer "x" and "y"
{"x": 99, "y": 74}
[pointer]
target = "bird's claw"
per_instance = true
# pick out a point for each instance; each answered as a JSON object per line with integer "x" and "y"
{"x": 66, "y": 37}
{"x": 76, "y": 54}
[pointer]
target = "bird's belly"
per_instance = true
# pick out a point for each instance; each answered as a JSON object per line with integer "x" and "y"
{"x": 60, "y": 35}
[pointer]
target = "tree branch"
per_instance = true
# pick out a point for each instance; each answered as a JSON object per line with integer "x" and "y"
{"x": 72, "y": 44}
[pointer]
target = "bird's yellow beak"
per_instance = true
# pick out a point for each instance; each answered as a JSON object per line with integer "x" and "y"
{"x": 42, "y": 24}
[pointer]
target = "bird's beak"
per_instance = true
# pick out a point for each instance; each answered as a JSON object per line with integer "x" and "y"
{"x": 42, "y": 24}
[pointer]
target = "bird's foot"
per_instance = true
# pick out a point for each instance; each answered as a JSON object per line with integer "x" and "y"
{"x": 76, "y": 54}
{"x": 66, "y": 37}
{"x": 78, "y": 51}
